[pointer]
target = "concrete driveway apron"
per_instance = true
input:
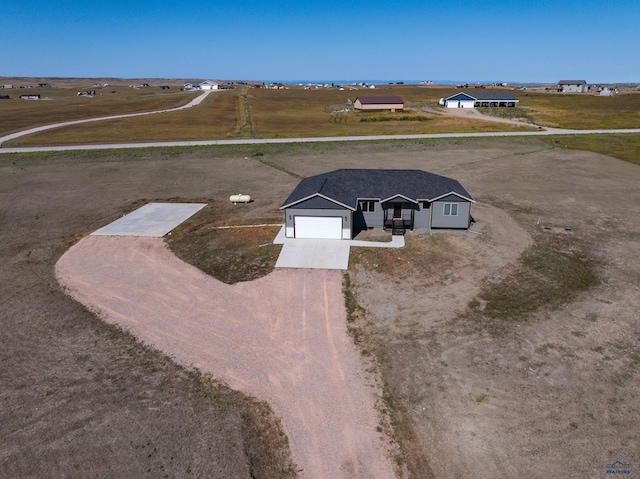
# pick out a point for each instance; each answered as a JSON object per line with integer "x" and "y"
{"x": 314, "y": 254}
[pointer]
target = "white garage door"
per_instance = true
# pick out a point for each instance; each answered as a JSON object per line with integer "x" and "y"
{"x": 318, "y": 227}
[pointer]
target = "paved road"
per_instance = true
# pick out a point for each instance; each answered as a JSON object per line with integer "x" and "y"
{"x": 196, "y": 101}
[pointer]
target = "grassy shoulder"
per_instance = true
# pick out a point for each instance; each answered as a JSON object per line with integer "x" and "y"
{"x": 230, "y": 255}
{"x": 622, "y": 146}
{"x": 266, "y": 445}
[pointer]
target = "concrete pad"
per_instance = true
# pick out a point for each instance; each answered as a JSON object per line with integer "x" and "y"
{"x": 280, "y": 237}
{"x": 153, "y": 219}
{"x": 314, "y": 254}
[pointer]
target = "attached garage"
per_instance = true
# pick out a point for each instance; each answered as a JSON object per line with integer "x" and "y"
{"x": 323, "y": 227}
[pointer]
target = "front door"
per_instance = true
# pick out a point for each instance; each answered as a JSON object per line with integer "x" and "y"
{"x": 397, "y": 211}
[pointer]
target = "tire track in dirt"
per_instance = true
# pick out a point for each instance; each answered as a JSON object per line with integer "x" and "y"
{"x": 282, "y": 338}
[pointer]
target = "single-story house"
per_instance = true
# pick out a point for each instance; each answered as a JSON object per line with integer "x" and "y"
{"x": 341, "y": 203}
{"x": 30, "y": 96}
{"x": 573, "y": 86}
{"x": 208, "y": 85}
{"x": 378, "y": 103}
{"x": 5, "y": 97}
{"x": 480, "y": 98}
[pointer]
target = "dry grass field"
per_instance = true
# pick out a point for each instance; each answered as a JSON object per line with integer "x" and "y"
{"x": 259, "y": 113}
{"x": 219, "y": 116}
{"x": 304, "y": 113}
{"x": 582, "y": 111}
{"x": 488, "y": 371}
{"x": 288, "y": 113}
{"x": 63, "y": 104}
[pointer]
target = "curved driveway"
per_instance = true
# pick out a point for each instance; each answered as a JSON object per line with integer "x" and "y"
{"x": 281, "y": 338}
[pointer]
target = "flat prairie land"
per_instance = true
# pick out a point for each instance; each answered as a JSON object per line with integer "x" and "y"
{"x": 583, "y": 111}
{"x": 477, "y": 381}
{"x": 308, "y": 113}
{"x": 221, "y": 115}
{"x": 62, "y": 104}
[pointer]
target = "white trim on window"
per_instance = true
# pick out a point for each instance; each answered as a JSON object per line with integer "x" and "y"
{"x": 367, "y": 205}
{"x": 450, "y": 209}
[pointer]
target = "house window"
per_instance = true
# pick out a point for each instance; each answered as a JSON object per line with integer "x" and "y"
{"x": 451, "y": 209}
{"x": 368, "y": 206}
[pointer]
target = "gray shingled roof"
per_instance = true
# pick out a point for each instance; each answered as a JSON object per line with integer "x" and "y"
{"x": 348, "y": 185}
{"x": 572, "y": 82}
{"x": 492, "y": 95}
{"x": 377, "y": 100}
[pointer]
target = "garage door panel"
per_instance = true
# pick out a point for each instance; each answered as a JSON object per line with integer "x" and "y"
{"x": 323, "y": 227}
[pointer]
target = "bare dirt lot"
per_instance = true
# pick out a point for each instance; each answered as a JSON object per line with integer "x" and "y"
{"x": 543, "y": 392}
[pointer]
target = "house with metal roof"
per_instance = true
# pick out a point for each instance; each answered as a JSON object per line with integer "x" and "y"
{"x": 480, "y": 98}
{"x": 572, "y": 86}
{"x": 378, "y": 103}
{"x": 341, "y": 203}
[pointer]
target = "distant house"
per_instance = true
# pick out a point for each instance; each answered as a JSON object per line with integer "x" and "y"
{"x": 572, "y": 86}
{"x": 164, "y": 87}
{"x": 7, "y": 87}
{"x": 208, "y": 85}
{"x": 480, "y": 98}
{"x": 5, "y": 97}
{"x": 341, "y": 203}
{"x": 44, "y": 85}
{"x": 30, "y": 96}
{"x": 378, "y": 103}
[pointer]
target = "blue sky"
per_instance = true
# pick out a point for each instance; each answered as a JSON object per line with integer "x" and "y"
{"x": 542, "y": 41}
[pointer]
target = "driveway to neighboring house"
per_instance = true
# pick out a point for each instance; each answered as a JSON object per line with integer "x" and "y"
{"x": 282, "y": 338}
{"x": 196, "y": 101}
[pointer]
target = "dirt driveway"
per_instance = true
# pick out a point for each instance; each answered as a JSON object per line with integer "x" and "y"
{"x": 282, "y": 338}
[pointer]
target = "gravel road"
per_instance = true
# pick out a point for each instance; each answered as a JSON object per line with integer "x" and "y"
{"x": 281, "y": 338}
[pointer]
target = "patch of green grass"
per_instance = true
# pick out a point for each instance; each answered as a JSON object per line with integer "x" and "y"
{"x": 230, "y": 255}
{"x": 593, "y": 317}
{"x": 622, "y": 146}
{"x": 350, "y": 301}
{"x": 512, "y": 113}
{"x": 481, "y": 398}
{"x": 583, "y": 111}
{"x": 372, "y": 119}
{"x": 545, "y": 278}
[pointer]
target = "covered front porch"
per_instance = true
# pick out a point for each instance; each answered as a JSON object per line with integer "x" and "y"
{"x": 398, "y": 217}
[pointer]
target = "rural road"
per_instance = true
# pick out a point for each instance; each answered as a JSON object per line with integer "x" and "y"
{"x": 263, "y": 141}
{"x": 281, "y": 338}
{"x": 196, "y": 101}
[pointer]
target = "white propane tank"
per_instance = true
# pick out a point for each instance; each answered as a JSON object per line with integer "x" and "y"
{"x": 235, "y": 199}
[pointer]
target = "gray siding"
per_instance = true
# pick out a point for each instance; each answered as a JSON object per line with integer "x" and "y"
{"x": 461, "y": 220}
{"x": 368, "y": 219}
{"x": 422, "y": 216}
{"x": 318, "y": 202}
